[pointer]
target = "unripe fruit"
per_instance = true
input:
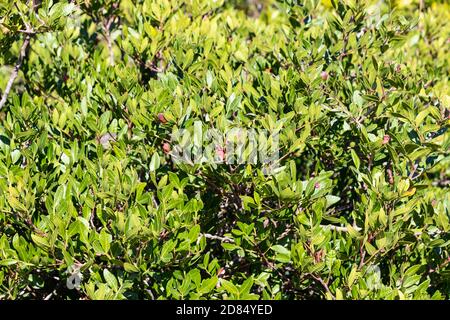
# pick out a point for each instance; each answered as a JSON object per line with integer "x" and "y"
{"x": 161, "y": 118}
{"x": 166, "y": 148}
{"x": 324, "y": 75}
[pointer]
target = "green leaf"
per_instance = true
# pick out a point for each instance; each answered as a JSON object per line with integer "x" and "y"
{"x": 352, "y": 277}
{"x": 283, "y": 254}
{"x": 229, "y": 287}
{"x": 370, "y": 248}
{"x": 155, "y": 162}
{"x": 357, "y": 99}
{"x": 8, "y": 262}
{"x": 246, "y": 286}
{"x": 40, "y": 241}
{"x": 208, "y": 285}
{"x": 110, "y": 279}
{"x": 355, "y": 158}
{"x": 130, "y": 268}
{"x": 421, "y": 116}
{"x": 331, "y": 200}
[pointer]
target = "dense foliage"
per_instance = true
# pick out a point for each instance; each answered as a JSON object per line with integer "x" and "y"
{"x": 358, "y": 92}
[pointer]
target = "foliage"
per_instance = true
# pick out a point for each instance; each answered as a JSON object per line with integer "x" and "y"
{"x": 359, "y": 208}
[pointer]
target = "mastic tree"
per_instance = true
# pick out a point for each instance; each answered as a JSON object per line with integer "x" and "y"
{"x": 94, "y": 206}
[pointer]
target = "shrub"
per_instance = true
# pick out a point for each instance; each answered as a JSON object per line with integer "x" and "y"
{"x": 93, "y": 205}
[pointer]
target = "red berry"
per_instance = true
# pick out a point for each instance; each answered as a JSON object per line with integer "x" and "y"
{"x": 386, "y": 139}
{"x": 161, "y": 118}
{"x": 166, "y": 147}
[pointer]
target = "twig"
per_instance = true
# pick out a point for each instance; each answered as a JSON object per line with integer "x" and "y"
{"x": 48, "y": 95}
{"x": 223, "y": 239}
{"x": 49, "y": 296}
{"x": 324, "y": 284}
{"x": 150, "y": 293}
{"x": 155, "y": 203}
{"x": 15, "y": 71}
{"x": 28, "y": 223}
{"x": 439, "y": 267}
{"x": 390, "y": 175}
{"x": 30, "y": 32}
{"x": 421, "y": 5}
{"x": 362, "y": 254}
{"x": 107, "y": 34}
{"x": 91, "y": 218}
{"x": 285, "y": 233}
{"x": 340, "y": 229}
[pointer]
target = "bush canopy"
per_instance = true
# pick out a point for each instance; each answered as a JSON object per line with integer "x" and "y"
{"x": 352, "y": 97}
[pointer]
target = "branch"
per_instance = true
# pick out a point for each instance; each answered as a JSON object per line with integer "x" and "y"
{"x": 15, "y": 71}
{"x": 223, "y": 239}
{"x": 439, "y": 267}
{"x": 107, "y": 35}
{"x": 324, "y": 285}
{"x": 30, "y": 32}
{"x": 421, "y": 5}
{"x": 362, "y": 255}
{"x": 341, "y": 229}
{"x": 155, "y": 203}
{"x": 285, "y": 233}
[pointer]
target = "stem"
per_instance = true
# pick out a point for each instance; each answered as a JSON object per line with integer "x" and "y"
{"x": 421, "y": 5}
{"x": 362, "y": 254}
{"x": 324, "y": 284}
{"x": 439, "y": 267}
{"x": 15, "y": 71}
{"x": 337, "y": 228}
{"x": 107, "y": 34}
{"x": 223, "y": 239}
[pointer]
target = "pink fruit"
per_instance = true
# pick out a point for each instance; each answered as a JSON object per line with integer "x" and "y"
{"x": 166, "y": 147}
{"x": 324, "y": 75}
{"x": 161, "y": 118}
